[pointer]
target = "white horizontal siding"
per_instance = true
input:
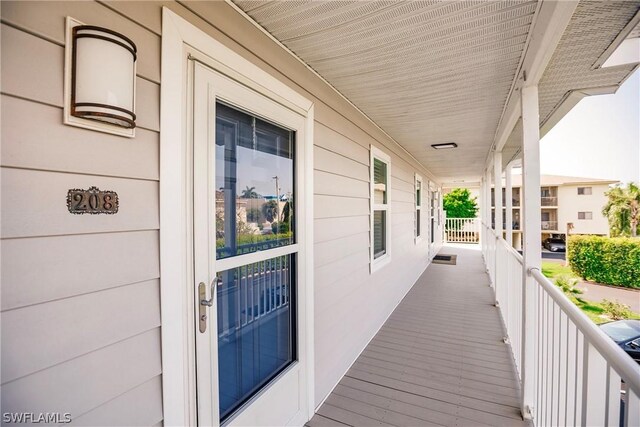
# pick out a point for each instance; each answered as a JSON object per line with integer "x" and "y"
{"x": 34, "y": 204}
{"x": 53, "y": 146}
{"x": 47, "y": 19}
{"x": 39, "y": 76}
{"x": 141, "y": 406}
{"x": 74, "y": 265}
{"x": 83, "y": 384}
{"x": 91, "y": 321}
{"x": 80, "y": 306}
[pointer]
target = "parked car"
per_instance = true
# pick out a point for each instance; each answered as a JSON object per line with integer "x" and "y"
{"x": 555, "y": 245}
{"x": 626, "y": 333}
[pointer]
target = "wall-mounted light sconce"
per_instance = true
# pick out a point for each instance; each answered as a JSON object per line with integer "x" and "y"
{"x": 100, "y": 79}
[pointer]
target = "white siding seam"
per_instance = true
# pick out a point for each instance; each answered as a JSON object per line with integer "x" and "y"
{"x": 117, "y": 396}
{"x": 318, "y": 169}
{"x": 108, "y": 288}
{"x": 343, "y": 236}
{"x": 79, "y": 173}
{"x": 340, "y": 196}
{"x": 35, "y": 101}
{"x": 336, "y": 216}
{"x": 32, "y": 32}
{"x": 158, "y": 326}
{"x": 319, "y": 145}
{"x": 151, "y": 30}
{"x": 62, "y": 44}
{"x": 81, "y": 234}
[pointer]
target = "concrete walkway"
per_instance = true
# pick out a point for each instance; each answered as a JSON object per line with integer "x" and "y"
{"x": 596, "y": 293}
{"x": 438, "y": 360}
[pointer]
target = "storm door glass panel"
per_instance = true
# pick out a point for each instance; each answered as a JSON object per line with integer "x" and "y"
{"x": 254, "y": 184}
{"x": 256, "y": 327}
{"x": 254, "y": 213}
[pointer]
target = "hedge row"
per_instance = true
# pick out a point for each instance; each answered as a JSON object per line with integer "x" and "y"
{"x": 613, "y": 261}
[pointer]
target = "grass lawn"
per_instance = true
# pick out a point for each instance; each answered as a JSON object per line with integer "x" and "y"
{"x": 593, "y": 310}
{"x": 554, "y": 269}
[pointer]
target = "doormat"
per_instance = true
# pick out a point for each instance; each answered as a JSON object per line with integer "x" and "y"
{"x": 445, "y": 259}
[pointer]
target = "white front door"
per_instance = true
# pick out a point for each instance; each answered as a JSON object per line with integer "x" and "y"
{"x": 248, "y": 255}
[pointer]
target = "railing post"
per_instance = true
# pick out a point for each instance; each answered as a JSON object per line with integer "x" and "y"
{"x": 508, "y": 205}
{"x": 530, "y": 225}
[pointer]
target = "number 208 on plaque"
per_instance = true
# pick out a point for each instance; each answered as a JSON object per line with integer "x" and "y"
{"x": 92, "y": 201}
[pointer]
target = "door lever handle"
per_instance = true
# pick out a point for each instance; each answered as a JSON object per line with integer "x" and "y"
{"x": 202, "y": 291}
{"x": 204, "y": 303}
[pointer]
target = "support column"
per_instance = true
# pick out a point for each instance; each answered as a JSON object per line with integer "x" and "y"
{"x": 530, "y": 225}
{"x": 508, "y": 205}
{"x": 497, "y": 179}
{"x": 487, "y": 177}
{"x": 482, "y": 208}
{"x": 497, "y": 191}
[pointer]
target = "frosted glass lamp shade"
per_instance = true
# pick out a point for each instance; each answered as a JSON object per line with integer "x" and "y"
{"x": 103, "y": 76}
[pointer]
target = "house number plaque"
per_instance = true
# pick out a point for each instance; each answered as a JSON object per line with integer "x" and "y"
{"x": 92, "y": 201}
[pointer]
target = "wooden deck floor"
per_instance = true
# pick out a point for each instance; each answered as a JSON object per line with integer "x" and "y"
{"x": 438, "y": 360}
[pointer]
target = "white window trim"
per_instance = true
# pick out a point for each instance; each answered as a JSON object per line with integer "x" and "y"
{"x": 176, "y": 257}
{"x": 418, "y": 209}
{"x": 378, "y": 263}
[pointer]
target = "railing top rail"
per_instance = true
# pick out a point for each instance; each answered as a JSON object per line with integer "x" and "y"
{"x": 625, "y": 366}
{"x": 515, "y": 253}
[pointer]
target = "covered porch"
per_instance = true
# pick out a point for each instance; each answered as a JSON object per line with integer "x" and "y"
{"x": 439, "y": 359}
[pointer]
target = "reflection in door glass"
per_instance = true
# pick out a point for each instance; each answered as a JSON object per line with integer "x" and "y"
{"x": 254, "y": 184}
{"x": 255, "y": 327}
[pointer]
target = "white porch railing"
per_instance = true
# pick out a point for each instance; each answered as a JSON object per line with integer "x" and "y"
{"x": 462, "y": 230}
{"x": 581, "y": 377}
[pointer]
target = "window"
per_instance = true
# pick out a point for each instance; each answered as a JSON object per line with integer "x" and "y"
{"x": 585, "y": 215}
{"x": 584, "y": 191}
{"x": 432, "y": 215}
{"x": 418, "y": 230}
{"x": 380, "y": 170}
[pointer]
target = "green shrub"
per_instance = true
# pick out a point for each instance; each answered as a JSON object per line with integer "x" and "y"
{"x": 613, "y": 261}
{"x": 568, "y": 285}
{"x": 616, "y": 310}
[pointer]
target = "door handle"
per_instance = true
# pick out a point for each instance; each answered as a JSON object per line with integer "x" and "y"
{"x": 205, "y": 303}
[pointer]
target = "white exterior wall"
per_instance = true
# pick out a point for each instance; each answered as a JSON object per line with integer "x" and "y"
{"x": 80, "y": 294}
{"x": 570, "y": 203}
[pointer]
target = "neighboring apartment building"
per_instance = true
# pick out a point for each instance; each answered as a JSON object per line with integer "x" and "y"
{"x": 564, "y": 200}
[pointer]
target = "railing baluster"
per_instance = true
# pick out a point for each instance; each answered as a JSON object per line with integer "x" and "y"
{"x": 631, "y": 409}
{"x": 594, "y": 387}
{"x": 612, "y": 416}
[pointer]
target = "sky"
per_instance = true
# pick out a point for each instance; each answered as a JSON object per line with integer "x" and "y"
{"x": 598, "y": 138}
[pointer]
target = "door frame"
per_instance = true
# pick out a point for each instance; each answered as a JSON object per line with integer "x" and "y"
{"x": 179, "y": 40}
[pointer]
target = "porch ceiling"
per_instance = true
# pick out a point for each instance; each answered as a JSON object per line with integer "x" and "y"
{"x": 425, "y": 71}
{"x": 434, "y": 71}
{"x": 572, "y": 73}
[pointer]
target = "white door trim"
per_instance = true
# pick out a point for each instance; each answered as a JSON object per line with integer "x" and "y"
{"x": 176, "y": 220}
